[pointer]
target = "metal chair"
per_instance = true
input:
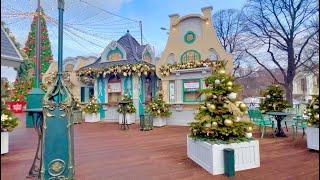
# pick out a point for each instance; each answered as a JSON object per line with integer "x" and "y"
{"x": 298, "y": 122}
{"x": 258, "y": 119}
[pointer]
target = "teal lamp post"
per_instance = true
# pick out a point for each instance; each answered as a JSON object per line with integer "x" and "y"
{"x": 57, "y": 145}
{"x": 35, "y": 96}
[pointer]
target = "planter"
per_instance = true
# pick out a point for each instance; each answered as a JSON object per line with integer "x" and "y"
{"x": 211, "y": 157}
{"x": 312, "y": 138}
{"x": 4, "y": 142}
{"x": 91, "y": 117}
{"x": 129, "y": 117}
{"x": 16, "y": 106}
{"x": 159, "y": 122}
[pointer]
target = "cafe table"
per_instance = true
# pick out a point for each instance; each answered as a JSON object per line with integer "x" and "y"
{"x": 279, "y": 116}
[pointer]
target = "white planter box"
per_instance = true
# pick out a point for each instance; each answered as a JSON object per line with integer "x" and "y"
{"x": 91, "y": 117}
{"x": 129, "y": 117}
{"x": 312, "y": 138}
{"x": 4, "y": 142}
{"x": 159, "y": 122}
{"x": 211, "y": 156}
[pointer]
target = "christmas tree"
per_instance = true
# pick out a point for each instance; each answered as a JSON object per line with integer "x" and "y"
{"x": 219, "y": 118}
{"x": 158, "y": 108}
{"x": 30, "y": 46}
{"x": 273, "y": 99}
{"x": 312, "y": 111}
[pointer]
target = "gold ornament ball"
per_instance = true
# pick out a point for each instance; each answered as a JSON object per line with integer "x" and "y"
{"x": 229, "y": 88}
{"x": 250, "y": 129}
{"x": 248, "y": 135}
{"x": 309, "y": 124}
{"x": 316, "y": 116}
{"x": 212, "y": 107}
{"x": 222, "y": 71}
{"x": 243, "y": 107}
{"x": 208, "y": 125}
{"x": 228, "y": 122}
{"x": 203, "y": 108}
{"x": 229, "y": 83}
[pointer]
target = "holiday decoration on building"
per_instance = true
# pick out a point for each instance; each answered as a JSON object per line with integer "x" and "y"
{"x": 92, "y": 107}
{"x": 20, "y": 89}
{"x": 88, "y": 75}
{"x": 220, "y": 117}
{"x": 273, "y": 99}
{"x": 165, "y": 70}
{"x": 30, "y": 46}
{"x": 158, "y": 108}
{"x": 130, "y": 107}
{"x": 312, "y": 112}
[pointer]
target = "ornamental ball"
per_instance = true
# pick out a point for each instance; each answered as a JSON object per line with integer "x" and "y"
{"x": 309, "y": 124}
{"x": 243, "y": 107}
{"x": 315, "y": 107}
{"x": 250, "y": 129}
{"x": 208, "y": 125}
{"x": 238, "y": 119}
{"x": 203, "y": 108}
{"x": 214, "y": 96}
{"x": 217, "y": 81}
{"x": 228, "y": 122}
{"x": 229, "y": 83}
{"x": 232, "y": 96}
{"x": 229, "y": 88}
{"x": 214, "y": 124}
{"x": 316, "y": 116}
{"x": 222, "y": 71}
{"x": 248, "y": 135}
{"x": 212, "y": 107}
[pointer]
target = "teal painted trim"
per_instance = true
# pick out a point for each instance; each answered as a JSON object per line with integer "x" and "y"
{"x": 184, "y": 91}
{"x": 141, "y": 96}
{"x": 186, "y": 37}
{"x": 116, "y": 50}
{"x": 101, "y": 95}
{"x": 154, "y": 86}
{"x": 196, "y": 53}
{"x": 131, "y": 88}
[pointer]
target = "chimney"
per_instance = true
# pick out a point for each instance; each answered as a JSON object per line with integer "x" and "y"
{"x": 207, "y": 12}
{"x": 173, "y": 19}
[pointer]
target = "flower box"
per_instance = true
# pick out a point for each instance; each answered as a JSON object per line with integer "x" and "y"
{"x": 312, "y": 138}
{"x": 16, "y": 106}
{"x": 4, "y": 142}
{"x": 95, "y": 117}
{"x": 129, "y": 117}
{"x": 211, "y": 156}
{"x": 159, "y": 122}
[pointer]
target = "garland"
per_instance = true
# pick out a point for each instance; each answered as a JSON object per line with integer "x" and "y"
{"x": 158, "y": 108}
{"x": 165, "y": 70}
{"x": 312, "y": 111}
{"x": 130, "y": 107}
{"x": 88, "y": 75}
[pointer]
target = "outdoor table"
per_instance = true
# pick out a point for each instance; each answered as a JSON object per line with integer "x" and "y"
{"x": 123, "y": 105}
{"x": 279, "y": 116}
{"x": 37, "y": 118}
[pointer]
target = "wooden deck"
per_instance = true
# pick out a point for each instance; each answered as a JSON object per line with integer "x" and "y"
{"x": 103, "y": 151}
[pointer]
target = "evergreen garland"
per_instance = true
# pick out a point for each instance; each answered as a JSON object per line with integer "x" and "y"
{"x": 219, "y": 118}
{"x": 273, "y": 99}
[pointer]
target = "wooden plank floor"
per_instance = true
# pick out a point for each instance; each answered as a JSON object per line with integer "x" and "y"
{"x": 102, "y": 151}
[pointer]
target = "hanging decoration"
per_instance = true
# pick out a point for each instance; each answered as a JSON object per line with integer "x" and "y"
{"x": 88, "y": 75}
{"x": 165, "y": 70}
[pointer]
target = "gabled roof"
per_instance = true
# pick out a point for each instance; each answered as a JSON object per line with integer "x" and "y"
{"x": 10, "y": 55}
{"x": 133, "y": 53}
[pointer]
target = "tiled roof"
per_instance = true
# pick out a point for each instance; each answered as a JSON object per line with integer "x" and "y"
{"x": 7, "y": 47}
{"x": 133, "y": 53}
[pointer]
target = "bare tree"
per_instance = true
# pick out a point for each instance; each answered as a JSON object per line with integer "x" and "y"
{"x": 230, "y": 31}
{"x": 283, "y": 32}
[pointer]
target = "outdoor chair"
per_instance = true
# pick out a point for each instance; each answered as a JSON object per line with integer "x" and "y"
{"x": 258, "y": 119}
{"x": 298, "y": 122}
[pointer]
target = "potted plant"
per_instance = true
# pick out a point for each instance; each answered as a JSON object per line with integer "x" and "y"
{"x": 312, "y": 131}
{"x": 131, "y": 110}
{"x": 91, "y": 111}
{"x": 219, "y": 124}
{"x": 159, "y": 110}
{"x": 8, "y": 123}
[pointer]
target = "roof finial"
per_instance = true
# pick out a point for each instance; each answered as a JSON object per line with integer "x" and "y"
{"x": 127, "y": 31}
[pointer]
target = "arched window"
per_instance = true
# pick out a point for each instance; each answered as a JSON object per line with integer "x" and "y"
{"x": 147, "y": 56}
{"x": 69, "y": 67}
{"x": 114, "y": 89}
{"x": 190, "y": 56}
{"x": 115, "y": 55}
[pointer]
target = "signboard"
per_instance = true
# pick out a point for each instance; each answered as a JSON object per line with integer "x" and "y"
{"x": 114, "y": 87}
{"x": 191, "y": 85}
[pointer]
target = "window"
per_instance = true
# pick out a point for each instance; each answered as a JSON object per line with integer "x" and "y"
{"x": 148, "y": 90}
{"x": 303, "y": 85}
{"x": 86, "y": 93}
{"x": 114, "y": 89}
{"x": 190, "y": 56}
{"x": 147, "y": 57}
{"x": 191, "y": 90}
{"x": 115, "y": 55}
{"x": 171, "y": 91}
